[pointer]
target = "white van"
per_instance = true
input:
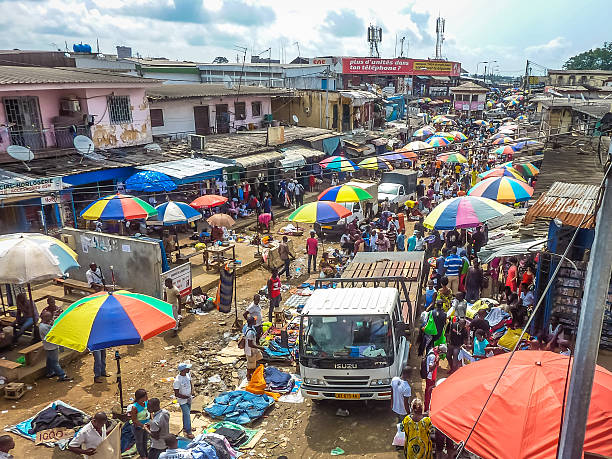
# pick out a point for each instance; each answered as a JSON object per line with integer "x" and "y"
{"x": 351, "y": 345}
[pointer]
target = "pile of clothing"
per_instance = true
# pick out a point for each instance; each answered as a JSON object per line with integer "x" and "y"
{"x": 211, "y": 446}
{"x": 278, "y": 381}
{"x": 498, "y": 320}
{"x": 235, "y": 434}
{"x": 239, "y": 406}
{"x": 57, "y": 416}
{"x": 275, "y": 353}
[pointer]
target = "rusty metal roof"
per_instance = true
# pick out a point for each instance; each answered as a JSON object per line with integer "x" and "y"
{"x": 12, "y": 75}
{"x": 568, "y": 202}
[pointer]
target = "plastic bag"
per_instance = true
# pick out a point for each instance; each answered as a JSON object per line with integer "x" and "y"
{"x": 430, "y": 328}
{"x": 400, "y": 437}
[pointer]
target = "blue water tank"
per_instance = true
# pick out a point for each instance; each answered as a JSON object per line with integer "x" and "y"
{"x": 87, "y": 48}
{"x": 81, "y": 48}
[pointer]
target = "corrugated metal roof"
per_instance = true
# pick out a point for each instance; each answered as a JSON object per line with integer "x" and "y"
{"x": 308, "y": 153}
{"x": 568, "y": 202}
{"x": 259, "y": 159}
{"x": 184, "y": 91}
{"x": 47, "y": 75}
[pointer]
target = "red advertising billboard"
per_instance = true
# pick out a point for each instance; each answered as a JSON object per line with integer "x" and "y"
{"x": 377, "y": 66}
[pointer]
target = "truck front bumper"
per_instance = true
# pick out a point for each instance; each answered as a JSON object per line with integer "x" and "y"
{"x": 346, "y": 393}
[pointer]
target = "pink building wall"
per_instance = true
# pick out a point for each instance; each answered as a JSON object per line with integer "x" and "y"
{"x": 179, "y": 116}
{"x": 93, "y": 102}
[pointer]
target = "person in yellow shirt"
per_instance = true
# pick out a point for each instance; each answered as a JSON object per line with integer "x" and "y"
{"x": 474, "y": 177}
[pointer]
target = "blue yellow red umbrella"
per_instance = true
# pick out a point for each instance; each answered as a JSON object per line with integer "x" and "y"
{"x": 502, "y": 140}
{"x": 437, "y": 141}
{"x": 504, "y": 150}
{"x": 459, "y": 136}
{"x": 338, "y": 163}
{"x": 108, "y": 319}
{"x": 344, "y": 193}
{"x": 502, "y": 189}
{"x": 527, "y": 169}
{"x": 118, "y": 207}
{"x": 502, "y": 172}
{"x": 319, "y": 212}
{"x": 453, "y": 158}
{"x": 425, "y": 131}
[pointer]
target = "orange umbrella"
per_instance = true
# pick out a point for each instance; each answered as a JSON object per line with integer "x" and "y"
{"x": 523, "y": 417}
{"x": 208, "y": 200}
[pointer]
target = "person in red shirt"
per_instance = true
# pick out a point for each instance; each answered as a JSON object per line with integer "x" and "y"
{"x": 274, "y": 292}
{"x": 311, "y": 182}
{"x": 312, "y": 248}
{"x": 512, "y": 277}
{"x": 528, "y": 276}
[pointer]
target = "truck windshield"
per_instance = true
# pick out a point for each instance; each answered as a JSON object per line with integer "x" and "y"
{"x": 347, "y": 336}
{"x": 388, "y": 188}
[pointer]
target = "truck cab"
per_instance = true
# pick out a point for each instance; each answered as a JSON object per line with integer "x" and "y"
{"x": 352, "y": 343}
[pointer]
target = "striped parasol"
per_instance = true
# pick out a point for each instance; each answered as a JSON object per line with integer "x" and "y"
{"x": 118, "y": 207}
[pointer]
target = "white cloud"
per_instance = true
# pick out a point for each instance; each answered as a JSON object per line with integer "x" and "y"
{"x": 552, "y": 45}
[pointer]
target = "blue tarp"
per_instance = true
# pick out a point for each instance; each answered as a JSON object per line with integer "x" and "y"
{"x": 239, "y": 406}
{"x": 330, "y": 145}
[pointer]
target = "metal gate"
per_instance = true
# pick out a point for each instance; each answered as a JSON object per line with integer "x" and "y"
{"x": 23, "y": 118}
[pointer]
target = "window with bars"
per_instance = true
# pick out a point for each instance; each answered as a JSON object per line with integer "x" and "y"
{"x": 240, "y": 110}
{"x": 256, "y": 108}
{"x": 119, "y": 110}
{"x": 157, "y": 117}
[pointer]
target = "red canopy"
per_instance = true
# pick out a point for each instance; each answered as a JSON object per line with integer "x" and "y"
{"x": 522, "y": 418}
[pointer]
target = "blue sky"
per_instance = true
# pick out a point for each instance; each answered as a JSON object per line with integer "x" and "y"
{"x": 545, "y": 32}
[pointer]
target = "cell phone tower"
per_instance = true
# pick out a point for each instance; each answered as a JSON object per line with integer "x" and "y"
{"x": 439, "y": 36}
{"x": 374, "y": 37}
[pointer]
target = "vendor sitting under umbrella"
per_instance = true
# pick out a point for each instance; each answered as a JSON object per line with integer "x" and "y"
{"x": 216, "y": 234}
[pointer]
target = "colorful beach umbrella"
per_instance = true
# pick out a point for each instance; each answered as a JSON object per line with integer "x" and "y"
{"x": 464, "y": 212}
{"x": 394, "y": 156}
{"x": 344, "y": 193}
{"x": 176, "y": 213}
{"x": 376, "y": 164}
{"x": 529, "y": 397}
{"x": 453, "y": 158}
{"x": 118, "y": 207}
{"x": 150, "y": 181}
{"x": 338, "y": 163}
{"x": 480, "y": 123}
{"x": 502, "y": 189}
{"x": 502, "y": 172}
{"x": 34, "y": 257}
{"x": 208, "y": 200}
{"x": 319, "y": 212}
{"x": 108, "y": 319}
{"x": 411, "y": 155}
{"x": 459, "y": 136}
{"x": 425, "y": 131}
{"x": 414, "y": 146}
{"x": 446, "y": 135}
{"x": 502, "y": 140}
{"x": 527, "y": 170}
{"x": 504, "y": 150}
{"x": 527, "y": 143}
{"x": 521, "y": 118}
{"x": 437, "y": 141}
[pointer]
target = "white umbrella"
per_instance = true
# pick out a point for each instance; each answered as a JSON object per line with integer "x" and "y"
{"x": 33, "y": 257}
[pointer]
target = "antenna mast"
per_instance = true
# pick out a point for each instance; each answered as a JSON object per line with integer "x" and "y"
{"x": 374, "y": 37}
{"x": 439, "y": 36}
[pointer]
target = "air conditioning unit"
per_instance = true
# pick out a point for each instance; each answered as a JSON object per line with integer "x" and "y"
{"x": 197, "y": 142}
{"x": 69, "y": 240}
{"x": 70, "y": 105}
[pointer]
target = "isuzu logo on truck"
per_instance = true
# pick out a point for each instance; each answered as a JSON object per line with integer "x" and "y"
{"x": 346, "y": 365}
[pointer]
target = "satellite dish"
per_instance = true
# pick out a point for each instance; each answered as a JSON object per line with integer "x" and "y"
{"x": 85, "y": 146}
{"x": 152, "y": 147}
{"x": 295, "y": 119}
{"x": 20, "y": 153}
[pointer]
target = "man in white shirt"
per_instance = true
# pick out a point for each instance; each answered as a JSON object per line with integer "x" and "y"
{"x": 173, "y": 451}
{"x": 6, "y": 444}
{"x": 183, "y": 391}
{"x": 51, "y": 350}
{"x": 400, "y": 400}
{"x": 254, "y": 309}
{"x": 252, "y": 350}
{"x": 172, "y": 295}
{"x": 90, "y": 436}
{"x": 94, "y": 276}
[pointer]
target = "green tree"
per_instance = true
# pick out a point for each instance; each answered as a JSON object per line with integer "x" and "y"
{"x": 593, "y": 59}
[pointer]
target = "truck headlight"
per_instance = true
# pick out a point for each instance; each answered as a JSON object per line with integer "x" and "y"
{"x": 314, "y": 382}
{"x": 380, "y": 382}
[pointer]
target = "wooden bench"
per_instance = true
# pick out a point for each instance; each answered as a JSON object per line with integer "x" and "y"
{"x": 184, "y": 258}
{"x": 71, "y": 284}
{"x": 32, "y": 353}
{"x": 8, "y": 369}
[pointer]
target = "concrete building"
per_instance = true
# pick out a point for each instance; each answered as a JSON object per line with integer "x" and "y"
{"x": 337, "y": 110}
{"x": 469, "y": 99}
{"x": 181, "y": 109}
{"x": 46, "y": 107}
{"x": 587, "y": 78}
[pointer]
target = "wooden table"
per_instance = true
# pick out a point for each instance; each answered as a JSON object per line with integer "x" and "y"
{"x": 217, "y": 252}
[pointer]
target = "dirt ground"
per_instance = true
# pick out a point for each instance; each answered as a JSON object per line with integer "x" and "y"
{"x": 307, "y": 430}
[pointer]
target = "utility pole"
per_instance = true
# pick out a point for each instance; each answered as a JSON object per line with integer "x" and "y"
{"x": 526, "y": 81}
{"x": 327, "y": 75}
{"x": 596, "y": 286}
